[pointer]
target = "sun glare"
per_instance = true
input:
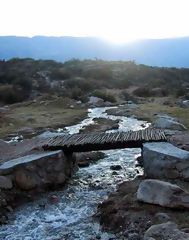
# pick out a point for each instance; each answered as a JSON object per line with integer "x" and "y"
{"x": 119, "y": 39}
{"x": 117, "y": 21}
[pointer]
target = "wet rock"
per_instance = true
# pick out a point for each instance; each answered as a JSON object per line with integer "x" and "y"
{"x": 166, "y": 122}
{"x": 186, "y": 230}
{"x": 84, "y": 159}
{"x": 139, "y": 161}
{"x": 98, "y": 237}
{"x": 53, "y": 199}
{"x": 134, "y": 236}
{"x": 162, "y": 217}
{"x": 116, "y": 167}
{"x": 165, "y": 231}
{"x": 162, "y": 193}
{"x": 83, "y": 164}
{"x": 5, "y": 182}
{"x": 185, "y": 103}
{"x": 3, "y": 219}
{"x": 163, "y": 160}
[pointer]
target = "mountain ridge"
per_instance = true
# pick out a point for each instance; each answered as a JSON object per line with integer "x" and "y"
{"x": 172, "y": 52}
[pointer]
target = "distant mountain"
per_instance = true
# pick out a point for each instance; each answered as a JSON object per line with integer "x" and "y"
{"x": 162, "y": 52}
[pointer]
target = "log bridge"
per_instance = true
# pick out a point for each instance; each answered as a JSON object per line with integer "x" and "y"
{"x": 104, "y": 141}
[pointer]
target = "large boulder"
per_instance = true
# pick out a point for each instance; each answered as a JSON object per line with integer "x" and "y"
{"x": 162, "y": 193}
{"x": 163, "y": 160}
{"x": 37, "y": 170}
{"x": 166, "y": 122}
{"x": 165, "y": 231}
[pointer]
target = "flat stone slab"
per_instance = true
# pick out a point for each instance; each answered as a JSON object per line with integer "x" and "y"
{"x": 163, "y": 160}
{"x": 166, "y": 122}
{"x": 9, "y": 165}
{"x": 162, "y": 193}
{"x": 168, "y": 149}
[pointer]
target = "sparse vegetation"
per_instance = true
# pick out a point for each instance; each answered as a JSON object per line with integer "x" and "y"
{"x": 22, "y": 79}
{"x": 107, "y": 97}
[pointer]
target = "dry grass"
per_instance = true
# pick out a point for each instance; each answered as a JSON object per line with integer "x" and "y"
{"x": 148, "y": 111}
{"x": 40, "y": 115}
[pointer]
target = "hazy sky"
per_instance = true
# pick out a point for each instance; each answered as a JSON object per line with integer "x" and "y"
{"x": 116, "y": 20}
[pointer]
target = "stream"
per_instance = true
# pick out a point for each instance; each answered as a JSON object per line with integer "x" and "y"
{"x": 71, "y": 216}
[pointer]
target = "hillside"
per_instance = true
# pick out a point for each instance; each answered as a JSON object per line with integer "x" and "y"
{"x": 24, "y": 79}
{"x": 163, "y": 52}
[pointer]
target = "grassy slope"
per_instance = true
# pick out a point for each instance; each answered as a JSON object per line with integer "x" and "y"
{"x": 148, "y": 111}
{"x": 52, "y": 113}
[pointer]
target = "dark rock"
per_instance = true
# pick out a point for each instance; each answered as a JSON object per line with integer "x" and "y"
{"x": 83, "y": 164}
{"x": 164, "y": 231}
{"x": 139, "y": 161}
{"x": 116, "y": 167}
{"x": 5, "y": 182}
{"x": 134, "y": 236}
{"x": 162, "y": 217}
{"x": 25, "y": 180}
{"x": 53, "y": 199}
{"x": 121, "y": 212}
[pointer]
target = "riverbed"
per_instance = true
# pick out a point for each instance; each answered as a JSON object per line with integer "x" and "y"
{"x": 70, "y": 215}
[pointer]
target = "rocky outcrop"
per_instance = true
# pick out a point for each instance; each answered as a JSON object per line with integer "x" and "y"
{"x": 162, "y": 193}
{"x": 122, "y": 212}
{"x": 165, "y": 231}
{"x": 37, "y": 170}
{"x": 166, "y": 122}
{"x": 180, "y": 140}
{"x": 185, "y": 103}
{"x": 163, "y": 160}
{"x": 5, "y": 182}
{"x": 101, "y": 125}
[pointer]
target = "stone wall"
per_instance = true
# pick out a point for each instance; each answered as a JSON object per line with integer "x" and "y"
{"x": 37, "y": 171}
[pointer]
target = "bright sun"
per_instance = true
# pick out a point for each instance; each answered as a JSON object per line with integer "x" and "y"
{"x": 119, "y": 39}
{"x": 116, "y": 21}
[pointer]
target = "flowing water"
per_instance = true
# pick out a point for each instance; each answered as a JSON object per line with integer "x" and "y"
{"x": 71, "y": 217}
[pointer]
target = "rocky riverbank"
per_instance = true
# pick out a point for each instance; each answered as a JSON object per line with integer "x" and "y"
{"x": 27, "y": 171}
{"x": 122, "y": 212}
{"x": 154, "y": 206}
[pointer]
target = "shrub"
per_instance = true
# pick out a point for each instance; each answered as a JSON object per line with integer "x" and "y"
{"x": 142, "y": 92}
{"x": 84, "y": 84}
{"x": 126, "y": 96}
{"x": 76, "y": 93}
{"x": 60, "y": 74}
{"x": 9, "y": 95}
{"x": 107, "y": 97}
